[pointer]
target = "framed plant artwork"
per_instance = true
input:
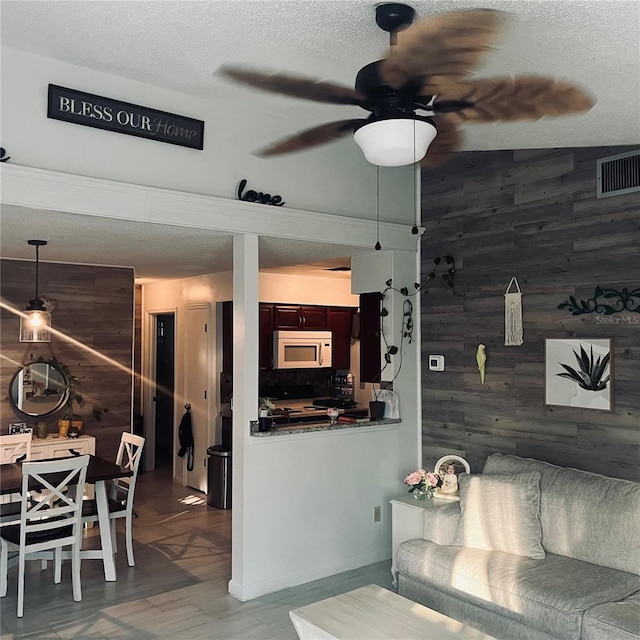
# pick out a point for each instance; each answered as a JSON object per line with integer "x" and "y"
{"x": 579, "y": 373}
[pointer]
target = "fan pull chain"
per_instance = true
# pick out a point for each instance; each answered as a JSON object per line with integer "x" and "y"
{"x": 378, "y": 245}
{"x": 414, "y": 230}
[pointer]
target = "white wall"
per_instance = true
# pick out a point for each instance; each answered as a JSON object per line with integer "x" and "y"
{"x": 275, "y": 287}
{"x": 332, "y": 179}
{"x": 310, "y": 498}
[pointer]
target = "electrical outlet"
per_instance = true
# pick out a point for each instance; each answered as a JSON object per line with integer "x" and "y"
{"x": 376, "y": 514}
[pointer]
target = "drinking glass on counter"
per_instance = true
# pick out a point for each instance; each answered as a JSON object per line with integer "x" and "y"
{"x": 333, "y": 414}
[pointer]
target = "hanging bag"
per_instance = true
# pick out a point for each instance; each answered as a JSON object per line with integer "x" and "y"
{"x": 185, "y": 434}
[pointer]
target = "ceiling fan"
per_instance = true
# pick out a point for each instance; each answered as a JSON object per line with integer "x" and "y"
{"x": 427, "y": 69}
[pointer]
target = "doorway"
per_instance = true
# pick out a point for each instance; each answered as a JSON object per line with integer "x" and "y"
{"x": 164, "y": 388}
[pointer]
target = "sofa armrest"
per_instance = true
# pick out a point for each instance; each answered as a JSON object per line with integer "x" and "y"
{"x": 441, "y": 522}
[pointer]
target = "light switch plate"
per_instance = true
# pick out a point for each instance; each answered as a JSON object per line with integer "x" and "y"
{"x": 436, "y": 363}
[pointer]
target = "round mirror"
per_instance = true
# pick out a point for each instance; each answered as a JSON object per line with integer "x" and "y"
{"x": 37, "y": 390}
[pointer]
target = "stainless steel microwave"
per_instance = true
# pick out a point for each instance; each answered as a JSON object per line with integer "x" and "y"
{"x": 301, "y": 349}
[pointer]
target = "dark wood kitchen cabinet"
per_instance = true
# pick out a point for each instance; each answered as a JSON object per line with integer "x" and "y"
{"x": 339, "y": 322}
{"x": 265, "y": 349}
{"x": 299, "y": 317}
{"x": 370, "y": 352}
{"x": 295, "y": 317}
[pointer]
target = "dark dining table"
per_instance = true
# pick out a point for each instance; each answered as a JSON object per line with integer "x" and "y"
{"x": 99, "y": 472}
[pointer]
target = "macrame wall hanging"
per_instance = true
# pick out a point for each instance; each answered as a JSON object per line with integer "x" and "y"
{"x": 513, "y": 315}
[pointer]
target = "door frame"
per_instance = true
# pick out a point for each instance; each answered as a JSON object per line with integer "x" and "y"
{"x": 211, "y": 400}
{"x": 149, "y": 382}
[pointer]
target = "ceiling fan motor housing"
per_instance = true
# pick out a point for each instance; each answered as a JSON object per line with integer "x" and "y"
{"x": 381, "y": 99}
{"x": 379, "y": 95}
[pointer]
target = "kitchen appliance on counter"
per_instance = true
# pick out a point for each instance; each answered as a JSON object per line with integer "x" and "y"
{"x": 302, "y": 349}
{"x": 343, "y": 385}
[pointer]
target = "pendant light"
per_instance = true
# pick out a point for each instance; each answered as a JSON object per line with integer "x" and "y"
{"x": 35, "y": 323}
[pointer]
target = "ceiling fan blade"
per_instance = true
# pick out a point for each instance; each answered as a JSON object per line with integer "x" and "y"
{"x": 311, "y": 137}
{"x": 294, "y": 86}
{"x": 450, "y": 45}
{"x": 448, "y": 141}
{"x": 513, "y": 99}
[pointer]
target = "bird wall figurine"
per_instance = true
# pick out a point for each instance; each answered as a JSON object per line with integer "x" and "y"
{"x": 481, "y": 358}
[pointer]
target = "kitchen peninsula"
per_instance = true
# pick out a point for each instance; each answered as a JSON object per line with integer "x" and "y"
{"x": 325, "y": 425}
{"x": 299, "y": 400}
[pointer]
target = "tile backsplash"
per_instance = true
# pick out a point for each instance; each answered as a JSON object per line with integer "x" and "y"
{"x": 321, "y": 380}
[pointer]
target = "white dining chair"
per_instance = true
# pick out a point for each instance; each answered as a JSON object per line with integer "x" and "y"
{"x": 13, "y": 448}
{"x": 121, "y": 493}
{"x": 50, "y": 524}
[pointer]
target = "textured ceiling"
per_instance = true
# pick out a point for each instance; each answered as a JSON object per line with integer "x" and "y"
{"x": 179, "y": 45}
{"x": 156, "y": 251}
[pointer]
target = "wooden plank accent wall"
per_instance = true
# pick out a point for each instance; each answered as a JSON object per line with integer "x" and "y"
{"x": 94, "y": 306}
{"x": 531, "y": 214}
{"x": 137, "y": 355}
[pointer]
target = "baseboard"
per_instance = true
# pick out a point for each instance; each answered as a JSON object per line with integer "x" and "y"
{"x": 249, "y": 591}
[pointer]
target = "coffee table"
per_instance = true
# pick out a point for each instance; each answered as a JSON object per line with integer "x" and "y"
{"x": 374, "y": 613}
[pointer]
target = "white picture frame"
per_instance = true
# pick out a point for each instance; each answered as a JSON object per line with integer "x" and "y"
{"x": 579, "y": 373}
{"x": 446, "y": 491}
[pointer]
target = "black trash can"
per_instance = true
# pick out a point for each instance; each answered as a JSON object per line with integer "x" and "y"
{"x": 219, "y": 477}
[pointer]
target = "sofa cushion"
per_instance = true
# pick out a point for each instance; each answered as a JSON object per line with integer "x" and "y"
{"x": 501, "y": 513}
{"x": 584, "y": 515}
{"x": 441, "y": 521}
{"x": 613, "y": 620}
{"x": 550, "y": 595}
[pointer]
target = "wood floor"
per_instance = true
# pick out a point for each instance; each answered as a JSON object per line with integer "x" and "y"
{"x": 178, "y": 588}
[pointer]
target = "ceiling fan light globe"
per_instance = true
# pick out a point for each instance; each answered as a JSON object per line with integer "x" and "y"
{"x": 395, "y": 142}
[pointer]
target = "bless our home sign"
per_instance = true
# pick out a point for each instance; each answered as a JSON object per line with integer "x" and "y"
{"x": 99, "y": 112}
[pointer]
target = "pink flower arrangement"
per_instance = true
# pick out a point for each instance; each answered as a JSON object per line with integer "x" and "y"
{"x": 423, "y": 482}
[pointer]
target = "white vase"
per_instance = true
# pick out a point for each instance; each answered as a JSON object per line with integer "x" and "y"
{"x": 590, "y": 399}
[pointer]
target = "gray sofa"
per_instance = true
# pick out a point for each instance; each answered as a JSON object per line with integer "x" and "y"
{"x": 532, "y": 551}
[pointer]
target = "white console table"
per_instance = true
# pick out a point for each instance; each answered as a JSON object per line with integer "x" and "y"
{"x": 407, "y": 522}
{"x": 50, "y": 447}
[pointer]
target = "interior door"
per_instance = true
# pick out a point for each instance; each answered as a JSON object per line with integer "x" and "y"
{"x": 164, "y": 378}
{"x": 197, "y": 385}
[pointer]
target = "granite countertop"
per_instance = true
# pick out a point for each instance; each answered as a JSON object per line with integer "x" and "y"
{"x": 303, "y": 408}
{"x": 308, "y": 427}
